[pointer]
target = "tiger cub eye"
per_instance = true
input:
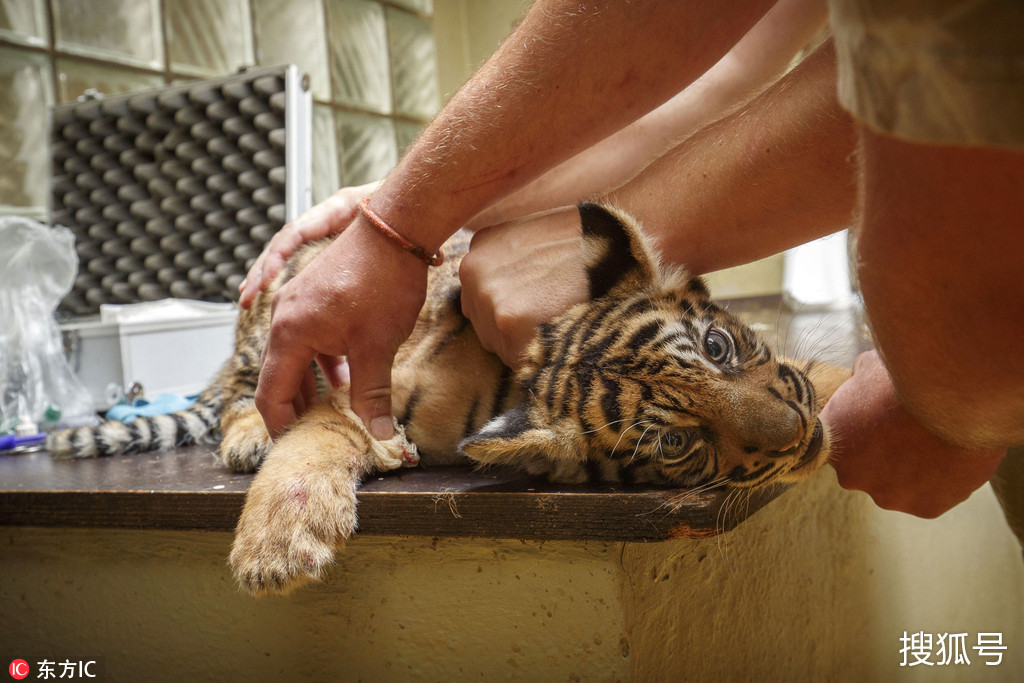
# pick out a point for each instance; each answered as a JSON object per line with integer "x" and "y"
{"x": 674, "y": 441}
{"x": 718, "y": 345}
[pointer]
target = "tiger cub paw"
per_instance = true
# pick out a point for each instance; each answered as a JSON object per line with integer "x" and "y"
{"x": 386, "y": 455}
{"x": 289, "y": 530}
{"x": 393, "y": 453}
{"x": 246, "y": 443}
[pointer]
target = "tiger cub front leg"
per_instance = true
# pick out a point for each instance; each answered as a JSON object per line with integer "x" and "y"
{"x": 302, "y": 503}
{"x": 245, "y": 440}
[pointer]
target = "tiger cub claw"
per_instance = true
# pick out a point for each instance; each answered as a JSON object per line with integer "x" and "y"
{"x": 393, "y": 453}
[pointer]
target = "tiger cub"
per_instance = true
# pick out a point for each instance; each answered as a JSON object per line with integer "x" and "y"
{"x": 650, "y": 382}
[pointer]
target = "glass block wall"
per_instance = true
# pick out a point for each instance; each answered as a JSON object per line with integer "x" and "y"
{"x": 372, "y": 66}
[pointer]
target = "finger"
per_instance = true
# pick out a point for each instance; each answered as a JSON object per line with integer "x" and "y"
{"x": 483, "y": 324}
{"x": 250, "y": 286}
{"x": 484, "y": 331}
{"x": 271, "y": 267}
{"x": 371, "y": 390}
{"x": 335, "y": 369}
{"x": 308, "y": 389}
{"x": 466, "y": 302}
{"x": 298, "y": 405}
{"x": 323, "y": 220}
{"x": 327, "y": 218}
{"x": 280, "y": 381}
{"x": 270, "y": 262}
{"x": 256, "y": 268}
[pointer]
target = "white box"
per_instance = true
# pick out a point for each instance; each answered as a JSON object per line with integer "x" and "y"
{"x": 173, "y": 347}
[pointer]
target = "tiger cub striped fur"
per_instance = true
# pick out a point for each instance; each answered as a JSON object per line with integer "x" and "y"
{"x": 650, "y": 381}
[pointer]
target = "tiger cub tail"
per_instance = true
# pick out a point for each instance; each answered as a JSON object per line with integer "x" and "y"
{"x": 195, "y": 424}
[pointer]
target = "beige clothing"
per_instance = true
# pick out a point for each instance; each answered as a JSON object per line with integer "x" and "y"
{"x": 936, "y": 71}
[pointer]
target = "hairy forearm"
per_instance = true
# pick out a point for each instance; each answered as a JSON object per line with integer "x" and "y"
{"x": 572, "y": 73}
{"x": 761, "y": 180}
{"x": 756, "y": 60}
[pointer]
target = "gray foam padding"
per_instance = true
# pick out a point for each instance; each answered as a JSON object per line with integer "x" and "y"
{"x": 172, "y": 192}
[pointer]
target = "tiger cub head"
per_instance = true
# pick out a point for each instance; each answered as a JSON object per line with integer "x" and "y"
{"x": 652, "y": 382}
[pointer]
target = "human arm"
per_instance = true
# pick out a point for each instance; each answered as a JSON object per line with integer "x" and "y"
{"x": 752, "y": 64}
{"x": 571, "y": 74}
{"x": 757, "y": 59}
{"x": 772, "y": 175}
{"x": 938, "y": 268}
{"x": 725, "y": 195}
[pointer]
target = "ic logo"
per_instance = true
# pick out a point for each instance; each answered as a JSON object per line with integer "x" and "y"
{"x": 19, "y": 669}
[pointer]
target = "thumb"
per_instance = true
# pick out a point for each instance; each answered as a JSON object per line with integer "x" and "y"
{"x": 371, "y": 390}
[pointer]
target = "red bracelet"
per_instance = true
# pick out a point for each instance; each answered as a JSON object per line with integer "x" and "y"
{"x": 389, "y": 232}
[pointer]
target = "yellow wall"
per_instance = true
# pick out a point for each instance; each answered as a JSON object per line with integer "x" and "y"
{"x": 466, "y": 32}
{"x": 162, "y": 606}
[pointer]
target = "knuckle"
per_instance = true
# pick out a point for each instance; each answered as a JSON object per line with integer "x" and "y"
{"x": 377, "y": 394}
{"x": 468, "y": 307}
{"x": 854, "y": 479}
{"x": 260, "y": 399}
{"x": 507, "y": 322}
{"x": 479, "y": 238}
{"x": 467, "y": 270}
{"x": 487, "y": 344}
{"x": 279, "y": 311}
{"x": 283, "y": 329}
{"x": 473, "y": 277}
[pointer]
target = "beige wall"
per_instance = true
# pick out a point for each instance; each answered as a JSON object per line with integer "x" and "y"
{"x": 819, "y": 586}
{"x": 466, "y": 32}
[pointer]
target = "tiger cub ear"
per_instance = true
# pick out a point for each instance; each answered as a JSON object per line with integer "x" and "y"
{"x": 512, "y": 437}
{"x": 616, "y": 252}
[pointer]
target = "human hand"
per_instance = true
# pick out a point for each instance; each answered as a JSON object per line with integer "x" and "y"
{"x": 329, "y": 217}
{"x": 518, "y": 275}
{"x": 359, "y": 298}
{"x": 879, "y": 448}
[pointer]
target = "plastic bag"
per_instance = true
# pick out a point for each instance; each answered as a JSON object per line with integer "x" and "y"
{"x": 38, "y": 265}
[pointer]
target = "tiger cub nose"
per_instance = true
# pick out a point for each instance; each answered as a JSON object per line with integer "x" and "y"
{"x": 788, "y": 432}
{"x": 772, "y": 431}
{"x": 762, "y": 425}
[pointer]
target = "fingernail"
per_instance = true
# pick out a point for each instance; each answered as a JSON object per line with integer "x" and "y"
{"x": 381, "y": 428}
{"x": 241, "y": 285}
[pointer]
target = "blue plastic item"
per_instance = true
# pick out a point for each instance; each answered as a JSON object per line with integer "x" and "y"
{"x": 140, "y": 407}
